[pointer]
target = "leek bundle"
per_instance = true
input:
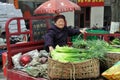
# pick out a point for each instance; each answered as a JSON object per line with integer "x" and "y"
{"x": 66, "y": 54}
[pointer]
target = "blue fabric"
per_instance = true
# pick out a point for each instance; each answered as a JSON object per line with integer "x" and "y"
{"x": 1, "y": 51}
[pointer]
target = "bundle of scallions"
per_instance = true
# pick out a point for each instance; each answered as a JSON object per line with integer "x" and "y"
{"x": 82, "y": 50}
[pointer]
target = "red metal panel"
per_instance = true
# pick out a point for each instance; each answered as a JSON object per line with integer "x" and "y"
{"x": 91, "y": 34}
{"x": 19, "y": 75}
{"x": 105, "y": 37}
{"x": 4, "y": 60}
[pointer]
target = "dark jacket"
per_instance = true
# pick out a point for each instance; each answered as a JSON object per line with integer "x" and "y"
{"x": 56, "y": 36}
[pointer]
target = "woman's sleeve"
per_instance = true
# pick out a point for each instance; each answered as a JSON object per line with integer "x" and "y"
{"x": 73, "y": 32}
{"x": 48, "y": 38}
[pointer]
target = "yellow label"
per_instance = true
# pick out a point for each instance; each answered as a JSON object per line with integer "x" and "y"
{"x": 93, "y": 0}
{"x": 81, "y": 1}
{"x": 89, "y": 0}
{"x": 86, "y": 0}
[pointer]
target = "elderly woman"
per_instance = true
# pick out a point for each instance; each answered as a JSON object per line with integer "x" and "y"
{"x": 58, "y": 33}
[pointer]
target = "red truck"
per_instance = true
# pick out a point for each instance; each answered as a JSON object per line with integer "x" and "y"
{"x": 37, "y": 27}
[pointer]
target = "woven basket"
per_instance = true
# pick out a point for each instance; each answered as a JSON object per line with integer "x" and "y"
{"x": 112, "y": 58}
{"x": 87, "y": 69}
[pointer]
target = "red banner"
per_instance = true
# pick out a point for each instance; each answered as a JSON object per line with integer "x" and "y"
{"x": 91, "y": 2}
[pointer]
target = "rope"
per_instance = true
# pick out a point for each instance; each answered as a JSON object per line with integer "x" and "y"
{"x": 71, "y": 76}
{"x": 71, "y": 69}
{"x": 73, "y": 66}
{"x": 72, "y": 72}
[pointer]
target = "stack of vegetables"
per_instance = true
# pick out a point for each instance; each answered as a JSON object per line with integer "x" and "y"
{"x": 66, "y": 54}
{"x": 92, "y": 48}
{"x": 115, "y": 41}
{"x": 82, "y": 50}
{"x": 116, "y": 45}
{"x": 114, "y": 49}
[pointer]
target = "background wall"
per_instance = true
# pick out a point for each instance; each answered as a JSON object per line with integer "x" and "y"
{"x": 10, "y": 1}
{"x": 97, "y": 16}
{"x": 70, "y": 18}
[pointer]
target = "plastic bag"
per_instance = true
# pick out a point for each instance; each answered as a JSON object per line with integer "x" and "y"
{"x": 113, "y": 73}
{"x": 34, "y": 53}
{"x": 15, "y": 60}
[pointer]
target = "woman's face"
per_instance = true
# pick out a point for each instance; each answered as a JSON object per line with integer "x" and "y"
{"x": 60, "y": 23}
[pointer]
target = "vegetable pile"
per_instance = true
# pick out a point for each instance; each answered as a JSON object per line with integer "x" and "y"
{"x": 116, "y": 45}
{"x": 82, "y": 50}
{"x": 66, "y": 54}
{"x": 115, "y": 41}
{"x": 92, "y": 48}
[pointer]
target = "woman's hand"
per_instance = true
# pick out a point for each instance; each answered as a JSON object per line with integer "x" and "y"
{"x": 51, "y": 48}
{"x": 83, "y": 30}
